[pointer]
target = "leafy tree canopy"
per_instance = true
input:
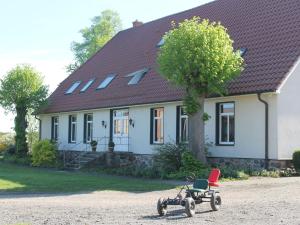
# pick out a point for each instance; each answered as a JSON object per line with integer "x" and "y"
{"x": 22, "y": 86}
{"x": 199, "y": 56}
{"x": 103, "y": 28}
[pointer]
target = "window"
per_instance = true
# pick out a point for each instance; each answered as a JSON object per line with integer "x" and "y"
{"x": 225, "y": 123}
{"x": 160, "y": 43}
{"x": 243, "y": 51}
{"x": 157, "y": 126}
{"x": 107, "y": 81}
{"x": 87, "y": 85}
{"x": 137, "y": 76}
{"x": 54, "y": 130}
{"x": 121, "y": 122}
{"x": 183, "y": 125}
{"x": 72, "y": 128}
{"x": 73, "y": 87}
{"x": 88, "y": 128}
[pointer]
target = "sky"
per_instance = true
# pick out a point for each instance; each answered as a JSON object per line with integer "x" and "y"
{"x": 39, "y": 32}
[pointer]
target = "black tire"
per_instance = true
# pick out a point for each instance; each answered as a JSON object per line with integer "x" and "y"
{"x": 190, "y": 206}
{"x": 215, "y": 201}
{"x": 161, "y": 207}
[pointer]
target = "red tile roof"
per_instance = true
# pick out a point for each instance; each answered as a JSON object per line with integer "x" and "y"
{"x": 270, "y": 30}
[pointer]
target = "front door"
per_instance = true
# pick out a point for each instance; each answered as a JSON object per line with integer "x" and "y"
{"x": 120, "y": 129}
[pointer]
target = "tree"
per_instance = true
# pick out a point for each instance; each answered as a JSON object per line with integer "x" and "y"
{"x": 22, "y": 90}
{"x": 103, "y": 28}
{"x": 198, "y": 56}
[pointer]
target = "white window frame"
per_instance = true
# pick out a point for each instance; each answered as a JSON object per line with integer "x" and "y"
{"x": 89, "y": 122}
{"x": 55, "y": 128}
{"x": 73, "y": 128}
{"x": 161, "y": 117}
{"x": 181, "y": 117}
{"x": 227, "y": 115}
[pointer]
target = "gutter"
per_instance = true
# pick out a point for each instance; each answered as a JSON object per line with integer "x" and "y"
{"x": 266, "y": 130}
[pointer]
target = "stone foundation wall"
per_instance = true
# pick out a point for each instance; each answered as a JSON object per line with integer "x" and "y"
{"x": 248, "y": 163}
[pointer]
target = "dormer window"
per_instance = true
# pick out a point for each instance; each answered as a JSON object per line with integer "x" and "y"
{"x": 243, "y": 51}
{"x": 107, "y": 81}
{"x": 87, "y": 85}
{"x": 160, "y": 43}
{"x": 137, "y": 76}
{"x": 73, "y": 87}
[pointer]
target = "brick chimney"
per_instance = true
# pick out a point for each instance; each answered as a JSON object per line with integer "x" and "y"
{"x": 137, "y": 23}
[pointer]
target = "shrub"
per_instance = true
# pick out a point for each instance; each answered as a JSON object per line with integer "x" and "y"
{"x": 189, "y": 166}
{"x": 167, "y": 157}
{"x": 296, "y": 160}
{"x": 44, "y": 153}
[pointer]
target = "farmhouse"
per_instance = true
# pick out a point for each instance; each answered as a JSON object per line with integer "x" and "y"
{"x": 118, "y": 94}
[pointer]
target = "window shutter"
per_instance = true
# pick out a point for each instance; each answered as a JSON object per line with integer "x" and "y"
{"x": 70, "y": 124}
{"x": 84, "y": 128}
{"x": 52, "y": 128}
{"x": 151, "y": 125}
{"x": 177, "y": 124}
{"x": 217, "y": 123}
{"x": 111, "y": 114}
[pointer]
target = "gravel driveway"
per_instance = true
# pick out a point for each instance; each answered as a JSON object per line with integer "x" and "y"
{"x": 255, "y": 201}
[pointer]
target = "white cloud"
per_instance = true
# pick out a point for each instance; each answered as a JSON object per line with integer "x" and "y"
{"x": 48, "y": 62}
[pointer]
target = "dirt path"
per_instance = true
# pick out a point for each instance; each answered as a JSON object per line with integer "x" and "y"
{"x": 256, "y": 202}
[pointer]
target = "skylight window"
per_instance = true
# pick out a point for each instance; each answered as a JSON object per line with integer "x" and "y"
{"x": 73, "y": 87}
{"x": 106, "y": 81}
{"x": 137, "y": 76}
{"x": 243, "y": 51}
{"x": 160, "y": 43}
{"x": 87, "y": 85}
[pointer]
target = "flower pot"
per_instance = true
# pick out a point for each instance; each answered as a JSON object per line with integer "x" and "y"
{"x": 94, "y": 148}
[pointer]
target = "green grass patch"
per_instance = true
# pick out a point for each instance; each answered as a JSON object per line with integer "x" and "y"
{"x": 15, "y": 178}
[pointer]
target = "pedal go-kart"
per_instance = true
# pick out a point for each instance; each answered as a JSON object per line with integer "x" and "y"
{"x": 200, "y": 192}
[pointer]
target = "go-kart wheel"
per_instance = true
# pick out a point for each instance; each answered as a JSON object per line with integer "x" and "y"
{"x": 161, "y": 207}
{"x": 190, "y": 206}
{"x": 215, "y": 201}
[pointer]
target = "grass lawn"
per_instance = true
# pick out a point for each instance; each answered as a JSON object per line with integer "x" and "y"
{"x": 34, "y": 180}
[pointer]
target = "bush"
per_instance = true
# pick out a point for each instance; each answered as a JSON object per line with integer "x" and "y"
{"x": 167, "y": 157}
{"x": 229, "y": 172}
{"x": 44, "y": 153}
{"x": 296, "y": 160}
{"x": 25, "y": 160}
{"x": 10, "y": 150}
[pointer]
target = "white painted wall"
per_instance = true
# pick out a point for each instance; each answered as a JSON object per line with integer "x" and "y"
{"x": 249, "y": 127}
{"x": 289, "y": 115}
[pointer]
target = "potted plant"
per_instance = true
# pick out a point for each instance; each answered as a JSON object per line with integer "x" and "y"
{"x": 111, "y": 146}
{"x": 94, "y": 145}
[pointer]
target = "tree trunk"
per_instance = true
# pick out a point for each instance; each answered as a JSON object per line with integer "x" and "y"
{"x": 196, "y": 132}
{"x": 20, "y": 129}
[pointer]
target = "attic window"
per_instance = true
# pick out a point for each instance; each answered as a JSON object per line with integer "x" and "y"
{"x": 73, "y": 87}
{"x": 137, "y": 76}
{"x": 243, "y": 51}
{"x": 160, "y": 43}
{"x": 87, "y": 85}
{"x": 107, "y": 81}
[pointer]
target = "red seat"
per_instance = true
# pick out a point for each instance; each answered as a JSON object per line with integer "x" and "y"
{"x": 214, "y": 177}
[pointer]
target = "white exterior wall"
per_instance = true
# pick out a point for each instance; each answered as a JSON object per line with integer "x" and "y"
{"x": 289, "y": 114}
{"x": 139, "y": 135}
{"x": 249, "y": 127}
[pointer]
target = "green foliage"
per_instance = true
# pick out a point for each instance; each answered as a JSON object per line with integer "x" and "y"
{"x": 12, "y": 158}
{"x": 229, "y": 172}
{"x": 190, "y": 166}
{"x": 199, "y": 56}
{"x": 167, "y": 157}
{"x": 296, "y": 160}
{"x": 21, "y": 91}
{"x": 103, "y": 28}
{"x": 44, "y": 153}
{"x": 6, "y": 140}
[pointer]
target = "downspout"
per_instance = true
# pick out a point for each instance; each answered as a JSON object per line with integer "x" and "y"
{"x": 40, "y": 127}
{"x": 266, "y": 130}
